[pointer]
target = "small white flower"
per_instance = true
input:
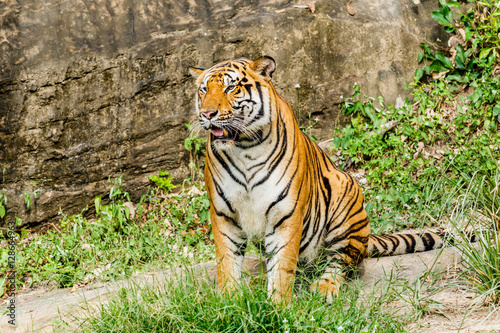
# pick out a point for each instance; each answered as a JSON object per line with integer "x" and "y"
{"x": 341, "y": 96}
{"x": 377, "y": 197}
{"x": 340, "y": 328}
{"x": 416, "y": 200}
{"x": 297, "y": 86}
{"x": 285, "y": 321}
{"x": 287, "y": 331}
{"x": 312, "y": 318}
{"x": 316, "y": 119}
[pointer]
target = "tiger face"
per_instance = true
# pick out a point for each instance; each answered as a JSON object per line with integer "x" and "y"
{"x": 233, "y": 100}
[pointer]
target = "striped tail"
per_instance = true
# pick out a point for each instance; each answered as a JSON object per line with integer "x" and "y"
{"x": 386, "y": 245}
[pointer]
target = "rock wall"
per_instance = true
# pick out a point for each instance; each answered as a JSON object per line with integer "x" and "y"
{"x": 91, "y": 89}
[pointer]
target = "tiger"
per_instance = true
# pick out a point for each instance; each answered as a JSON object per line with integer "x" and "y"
{"x": 268, "y": 182}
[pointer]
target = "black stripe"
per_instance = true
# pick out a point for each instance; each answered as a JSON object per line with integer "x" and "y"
{"x": 282, "y": 195}
{"x": 276, "y": 161}
{"x": 233, "y": 221}
{"x": 228, "y": 170}
{"x": 234, "y": 165}
{"x": 220, "y": 192}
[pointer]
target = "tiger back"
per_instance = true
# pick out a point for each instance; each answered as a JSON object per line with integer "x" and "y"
{"x": 269, "y": 182}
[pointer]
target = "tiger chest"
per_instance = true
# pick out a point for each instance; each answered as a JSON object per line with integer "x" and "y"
{"x": 255, "y": 208}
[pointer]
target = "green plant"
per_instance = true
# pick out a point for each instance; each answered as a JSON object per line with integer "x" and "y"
{"x": 189, "y": 303}
{"x": 196, "y": 147}
{"x": 116, "y": 213}
{"x": 3, "y": 202}
{"x": 453, "y": 119}
{"x": 117, "y": 243}
{"x": 479, "y": 206}
{"x": 27, "y": 196}
{"x": 163, "y": 181}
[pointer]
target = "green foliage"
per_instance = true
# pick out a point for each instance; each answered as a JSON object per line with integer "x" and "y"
{"x": 191, "y": 304}
{"x": 163, "y": 181}
{"x": 122, "y": 239}
{"x": 479, "y": 206}
{"x": 196, "y": 147}
{"x": 3, "y": 202}
{"x": 27, "y": 197}
{"x": 450, "y": 128}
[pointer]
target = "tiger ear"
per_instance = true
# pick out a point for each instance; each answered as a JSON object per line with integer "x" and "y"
{"x": 195, "y": 71}
{"x": 265, "y": 66}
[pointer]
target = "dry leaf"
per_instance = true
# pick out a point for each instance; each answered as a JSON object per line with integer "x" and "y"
{"x": 349, "y": 9}
{"x": 312, "y": 6}
{"x": 131, "y": 209}
{"x": 279, "y": 10}
{"x": 438, "y": 75}
{"x": 462, "y": 33}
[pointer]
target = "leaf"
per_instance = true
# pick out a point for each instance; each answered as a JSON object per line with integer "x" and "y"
{"x": 349, "y": 9}
{"x": 418, "y": 74}
{"x": 442, "y": 15}
{"x": 2, "y": 211}
{"x": 455, "y": 4}
{"x": 420, "y": 57}
{"x": 454, "y": 76}
{"x": 312, "y": 6}
{"x": 27, "y": 200}
{"x": 437, "y": 66}
{"x": 97, "y": 203}
{"x": 446, "y": 61}
{"x": 484, "y": 53}
{"x": 496, "y": 111}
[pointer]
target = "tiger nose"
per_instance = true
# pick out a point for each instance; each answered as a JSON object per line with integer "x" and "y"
{"x": 209, "y": 114}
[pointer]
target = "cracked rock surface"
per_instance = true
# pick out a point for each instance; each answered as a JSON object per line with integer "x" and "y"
{"x": 95, "y": 89}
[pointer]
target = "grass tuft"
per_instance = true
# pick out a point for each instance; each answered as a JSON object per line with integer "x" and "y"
{"x": 190, "y": 304}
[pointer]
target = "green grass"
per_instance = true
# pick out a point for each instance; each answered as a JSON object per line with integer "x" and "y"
{"x": 162, "y": 231}
{"x": 478, "y": 212}
{"x": 449, "y": 128}
{"x": 186, "y": 304}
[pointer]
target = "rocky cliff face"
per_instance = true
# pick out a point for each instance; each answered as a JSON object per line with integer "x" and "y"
{"x": 90, "y": 89}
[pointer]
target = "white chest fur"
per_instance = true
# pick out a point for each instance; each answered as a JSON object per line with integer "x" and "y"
{"x": 251, "y": 197}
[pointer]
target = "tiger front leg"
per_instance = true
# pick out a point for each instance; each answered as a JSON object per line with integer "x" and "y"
{"x": 339, "y": 262}
{"x": 229, "y": 252}
{"x": 282, "y": 249}
{"x": 331, "y": 280}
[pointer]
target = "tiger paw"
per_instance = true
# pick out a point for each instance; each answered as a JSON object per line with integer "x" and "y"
{"x": 328, "y": 288}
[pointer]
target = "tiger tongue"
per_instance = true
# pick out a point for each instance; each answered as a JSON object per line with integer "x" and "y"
{"x": 217, "y": 131}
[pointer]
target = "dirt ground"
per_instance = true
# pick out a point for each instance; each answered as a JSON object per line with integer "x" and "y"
{"x": 459, "y": 311}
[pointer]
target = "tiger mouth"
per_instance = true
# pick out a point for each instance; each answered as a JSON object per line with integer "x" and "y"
{"x": 224, "y": 134}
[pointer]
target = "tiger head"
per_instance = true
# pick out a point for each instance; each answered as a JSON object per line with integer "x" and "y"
{"x": 234, "y": 99}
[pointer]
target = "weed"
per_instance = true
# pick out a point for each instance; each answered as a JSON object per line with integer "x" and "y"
{"x": 196, "y": 147}
{"x": 163, "y": 181}
{"x": 452, "y": 120}
{"x": 117, "y": 243}
{"x": 3, "y": 202}
{"x": 189, "y": 304}
{"x": 480, "y": 208}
